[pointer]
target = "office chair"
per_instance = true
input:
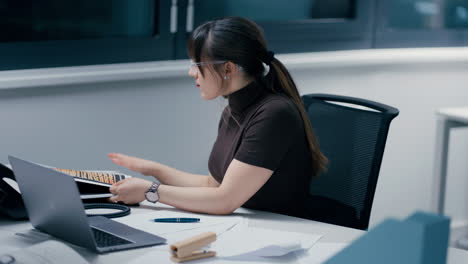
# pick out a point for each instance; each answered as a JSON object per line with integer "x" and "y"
{"x": 352, "y": 133}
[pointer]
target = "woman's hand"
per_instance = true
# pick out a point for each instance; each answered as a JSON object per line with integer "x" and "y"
{"x": 132, "y": 163}
{"x": 130, "y": 191}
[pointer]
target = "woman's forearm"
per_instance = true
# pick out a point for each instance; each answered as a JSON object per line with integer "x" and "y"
{"x": 174, "y": 177}
{"x": 209, "y": 200}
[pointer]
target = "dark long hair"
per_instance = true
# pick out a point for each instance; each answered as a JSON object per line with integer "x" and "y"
{"x": 242, "y": 42}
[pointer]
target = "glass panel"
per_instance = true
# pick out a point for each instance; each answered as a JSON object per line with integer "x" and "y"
{"x": 428, "y": 14}
{"x": 35, "y": 20}
{"x": 277, "y": 10}
{"x": 456, "y": 14}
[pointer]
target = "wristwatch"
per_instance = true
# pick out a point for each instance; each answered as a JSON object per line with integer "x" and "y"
{"x": 152, "y": 193}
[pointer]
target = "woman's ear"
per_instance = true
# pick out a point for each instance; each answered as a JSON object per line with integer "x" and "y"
{"x": 229, "y": 68}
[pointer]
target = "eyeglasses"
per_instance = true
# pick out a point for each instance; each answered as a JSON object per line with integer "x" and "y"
{"x": 203, "y": 63}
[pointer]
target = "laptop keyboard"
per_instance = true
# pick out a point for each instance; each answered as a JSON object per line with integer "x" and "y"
{"x": 104, "y": 239}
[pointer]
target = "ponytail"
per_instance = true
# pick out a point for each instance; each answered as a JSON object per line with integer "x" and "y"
{"x": 278, "y": 80}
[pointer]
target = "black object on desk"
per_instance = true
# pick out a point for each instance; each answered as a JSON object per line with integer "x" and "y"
{"x": 11, "y": 202}
{"x": 122, "y": 210}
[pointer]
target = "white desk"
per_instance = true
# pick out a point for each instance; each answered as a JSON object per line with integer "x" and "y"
{"x": 331, "y": 233}
{"x": 448, "y": 118}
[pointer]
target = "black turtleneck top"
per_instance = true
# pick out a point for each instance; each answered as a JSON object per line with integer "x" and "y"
{"x": 265, "y": 130}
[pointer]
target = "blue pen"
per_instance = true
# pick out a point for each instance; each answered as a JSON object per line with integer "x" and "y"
{"x": 176, "y": 220}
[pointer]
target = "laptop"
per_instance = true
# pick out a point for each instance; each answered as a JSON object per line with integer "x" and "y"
{"x": 53, "y": 203}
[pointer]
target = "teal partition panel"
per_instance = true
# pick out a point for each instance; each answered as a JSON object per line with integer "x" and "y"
{"x": 422, "y": 238}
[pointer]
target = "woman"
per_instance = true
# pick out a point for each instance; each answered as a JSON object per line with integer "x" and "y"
{"x": 265, "y": 152}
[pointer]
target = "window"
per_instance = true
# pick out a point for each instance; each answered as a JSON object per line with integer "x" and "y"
{"x": 54, "y": 33}
{"x": 85, "y": 19}
{"x": 302, "y": 25}
{"x": 49, "y": 33}
{"x": 416, "y": 23}
{"x": 278, "y": 10}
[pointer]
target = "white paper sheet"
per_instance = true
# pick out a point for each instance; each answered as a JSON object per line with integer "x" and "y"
{"x": 252, "y": 243}
{"x": 220, "y": 229}
{"x": 246, "y": 245}
{"x": 320, "y": 252}
{"x": 178, "y": 231}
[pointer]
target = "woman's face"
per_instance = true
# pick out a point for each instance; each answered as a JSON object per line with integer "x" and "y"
{"x": 209, "y": 83}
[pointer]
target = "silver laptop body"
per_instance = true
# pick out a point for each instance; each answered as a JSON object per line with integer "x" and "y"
{"x": 53, "y": 203}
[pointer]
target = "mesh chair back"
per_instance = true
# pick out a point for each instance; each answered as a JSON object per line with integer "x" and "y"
{"x": 353, "y": 139}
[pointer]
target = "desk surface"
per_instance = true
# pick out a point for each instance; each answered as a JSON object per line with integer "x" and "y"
{"x": 331, "y": 233}
{"x": 455, "y": 113}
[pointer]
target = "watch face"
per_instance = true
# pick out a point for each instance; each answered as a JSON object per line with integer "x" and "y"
{"x": 152, "y": 196}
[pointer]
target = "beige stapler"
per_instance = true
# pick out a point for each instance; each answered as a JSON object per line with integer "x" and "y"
{"x": 190, "y": 249}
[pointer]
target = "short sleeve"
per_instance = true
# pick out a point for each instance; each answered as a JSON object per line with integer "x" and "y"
{"x": 270, "y": 134}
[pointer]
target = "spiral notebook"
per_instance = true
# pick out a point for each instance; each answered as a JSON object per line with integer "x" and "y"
{"x": 92, "y": 184}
